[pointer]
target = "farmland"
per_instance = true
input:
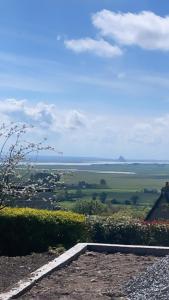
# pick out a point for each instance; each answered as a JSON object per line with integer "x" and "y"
{"x": 122, "y": 184}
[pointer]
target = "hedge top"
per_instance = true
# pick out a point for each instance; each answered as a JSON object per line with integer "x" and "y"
{"x": 42, "y": 214}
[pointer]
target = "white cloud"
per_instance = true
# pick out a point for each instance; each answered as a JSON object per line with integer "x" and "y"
{"x": 43, "y": 115}
{"x": 143, "y": 133}
{"x": 145, "y": 29}
{"x": 75, "y": 120}
{"x": 98, "y": 47}
{"x": 83, "y": 133}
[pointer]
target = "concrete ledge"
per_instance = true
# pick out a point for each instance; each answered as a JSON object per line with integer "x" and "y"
{"x": 140, "y": 250}
{"x": 23, "y": 285}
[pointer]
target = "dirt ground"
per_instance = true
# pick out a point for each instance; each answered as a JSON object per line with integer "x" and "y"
{"x": 92, "y": 276}
{"x": 12, "y": 269}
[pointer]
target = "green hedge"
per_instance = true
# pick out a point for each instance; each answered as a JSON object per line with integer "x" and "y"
{"x": 24, "y": 230}
{"x": 108, "y": 230}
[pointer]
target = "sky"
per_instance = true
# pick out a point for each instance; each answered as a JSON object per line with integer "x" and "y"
{"x": 91, "y": 75}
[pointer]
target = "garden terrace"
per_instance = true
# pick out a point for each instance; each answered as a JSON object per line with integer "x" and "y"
{"x": 101, "y": 271}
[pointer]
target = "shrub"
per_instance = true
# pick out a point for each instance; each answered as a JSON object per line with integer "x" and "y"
{"x": 24, "y": 230}
{"x": 89, "y": 207}
{"x": 109, "y": 230}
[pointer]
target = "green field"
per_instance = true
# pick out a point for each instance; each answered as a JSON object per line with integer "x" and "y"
{"x": 121, "y": 187}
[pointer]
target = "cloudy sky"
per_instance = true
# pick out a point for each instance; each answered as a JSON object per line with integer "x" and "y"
{"x": 92, "y": 76}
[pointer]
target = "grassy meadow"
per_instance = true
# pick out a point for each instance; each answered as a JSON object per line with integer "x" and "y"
{"x": 143, "y": 181}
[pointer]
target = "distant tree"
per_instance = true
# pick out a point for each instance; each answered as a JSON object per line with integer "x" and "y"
{"x": 89, "y": 207}
{"x": 64, "y": 195}
{"x": 114, "y": 201}
{"x": 134, "y": 199}
{"x": 103, "y": 197}
{"x": 103, "y": 182}
{"x": 45, "y": 178}
{"x": 94, "y": 196}
{"x": 127, "y": 202}
{"x": 82, "y": 184}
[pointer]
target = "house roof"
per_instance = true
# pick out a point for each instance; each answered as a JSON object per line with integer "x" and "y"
{"x": 164, "y": 193}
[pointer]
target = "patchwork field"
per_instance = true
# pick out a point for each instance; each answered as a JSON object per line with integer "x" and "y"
{"x": 122, "y": 183}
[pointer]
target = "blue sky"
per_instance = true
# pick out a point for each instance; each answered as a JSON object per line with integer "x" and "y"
{"x": 91, "y": 75}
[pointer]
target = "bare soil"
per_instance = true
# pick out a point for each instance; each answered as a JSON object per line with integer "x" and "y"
{"x": 92, "y": 276}
{"x": 12, "y": 269}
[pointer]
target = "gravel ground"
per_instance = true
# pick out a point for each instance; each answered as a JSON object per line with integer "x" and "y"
{"x": 93, "y": 276}
{"x": 12, "y": 269}
{"x": 153, "y": 284}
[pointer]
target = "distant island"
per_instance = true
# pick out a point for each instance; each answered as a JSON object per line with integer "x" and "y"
{"x": 121, "y": 159}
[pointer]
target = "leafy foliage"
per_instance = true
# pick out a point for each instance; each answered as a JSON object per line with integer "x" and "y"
{"x": 110, "y": 230}
{"x": 89, "y": 207}
{"x": 23, "y": 230}
{"x": 14, "y": 151}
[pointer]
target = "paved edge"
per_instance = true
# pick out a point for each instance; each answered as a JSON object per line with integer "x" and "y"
{"x": 140, "y": 250}
{"x": 23, "y": 285}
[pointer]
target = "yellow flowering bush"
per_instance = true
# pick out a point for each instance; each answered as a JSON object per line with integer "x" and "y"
{"x": 24, "y": 230}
